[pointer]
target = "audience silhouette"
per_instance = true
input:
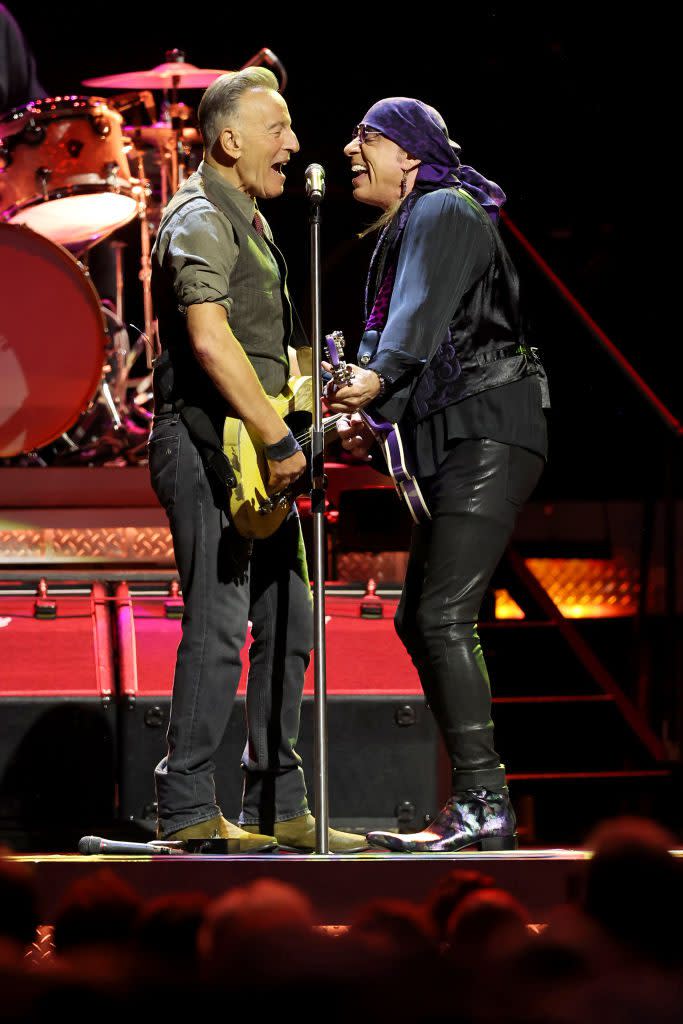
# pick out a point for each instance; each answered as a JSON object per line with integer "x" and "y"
{"x": 469, "y": 953}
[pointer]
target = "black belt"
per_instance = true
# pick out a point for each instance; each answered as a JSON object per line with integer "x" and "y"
{"x": 507, "y": 352}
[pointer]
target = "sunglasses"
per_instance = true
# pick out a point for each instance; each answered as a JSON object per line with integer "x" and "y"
{"x": 364, "y": 134}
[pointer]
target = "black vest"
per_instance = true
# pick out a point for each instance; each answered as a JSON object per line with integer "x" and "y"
{"x": 484, "y": 346}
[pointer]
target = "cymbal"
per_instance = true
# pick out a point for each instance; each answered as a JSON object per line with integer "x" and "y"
{"x": 161, "y": 77}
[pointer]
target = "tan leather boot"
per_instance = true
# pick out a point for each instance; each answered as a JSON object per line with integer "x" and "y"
{"x": 220, "y": 828}
{"x": 298, "y": 835}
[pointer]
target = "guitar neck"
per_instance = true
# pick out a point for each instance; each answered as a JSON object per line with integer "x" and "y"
{"x": 329, "y": 426}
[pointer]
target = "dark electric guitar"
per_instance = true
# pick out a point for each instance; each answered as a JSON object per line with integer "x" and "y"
{"x": 386, "y": 434}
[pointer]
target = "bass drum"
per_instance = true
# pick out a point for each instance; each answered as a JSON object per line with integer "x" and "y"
{"x": 52, "y": 341}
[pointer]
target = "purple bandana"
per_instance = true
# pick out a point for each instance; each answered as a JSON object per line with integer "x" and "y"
{"x": 422, "y": 132}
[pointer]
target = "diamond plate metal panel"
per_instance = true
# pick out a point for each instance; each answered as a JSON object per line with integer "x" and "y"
{"x": 588, "y": 587}
{"x": 152, "y": 544}
{"x": 87, "y": 545}
{"x": 125, "y": 544}
{"x": 383, "y": 567}
{"x": 16, "y": 545}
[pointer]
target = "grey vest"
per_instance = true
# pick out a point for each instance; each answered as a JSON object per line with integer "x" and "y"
{"x": 261, "y": 313}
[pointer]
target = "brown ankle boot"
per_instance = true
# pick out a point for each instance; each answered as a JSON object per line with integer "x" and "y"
{"x": 298, "y": 835}
{"x": 220, "y": 828}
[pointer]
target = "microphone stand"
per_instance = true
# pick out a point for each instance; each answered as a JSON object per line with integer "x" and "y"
{"x": 319, "y": 485}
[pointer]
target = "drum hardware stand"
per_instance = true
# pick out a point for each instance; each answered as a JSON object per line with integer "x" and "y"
{"x": 169, "y": 174}
{"x": 111, "y": 405}
{"x": 315, "y": 190}
{"x": 118, "y": 248}
{"x": 178, "y": 154}
{"x": 142, "y": 191}
{"x": 113, "y": 400}
{"x": 71, "y": 445}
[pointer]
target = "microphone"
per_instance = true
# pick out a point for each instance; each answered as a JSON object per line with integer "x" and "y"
{"x": 266, "y": 56}
{"x": 315, "y": 183}
{"x": 95, "y": 844}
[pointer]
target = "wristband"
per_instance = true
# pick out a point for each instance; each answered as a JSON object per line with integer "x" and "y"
{"x": 282, "y": 449}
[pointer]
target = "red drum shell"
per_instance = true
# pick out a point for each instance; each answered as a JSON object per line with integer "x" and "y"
{"x": 52, "y": 340}
{"x": 64, "y": 170}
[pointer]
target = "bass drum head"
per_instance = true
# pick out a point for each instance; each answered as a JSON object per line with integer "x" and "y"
{"x": 52, "y": 341}
{"x": 79, "y": 220}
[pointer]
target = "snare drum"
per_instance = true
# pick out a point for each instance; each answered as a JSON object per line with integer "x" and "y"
{"x": 64, "y": 171}
{"x": 52, "y": 341}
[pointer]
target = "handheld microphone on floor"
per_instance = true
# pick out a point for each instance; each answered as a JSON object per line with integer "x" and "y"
{"x": 89, "y": 845}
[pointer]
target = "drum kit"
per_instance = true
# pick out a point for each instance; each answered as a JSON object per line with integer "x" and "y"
{"x": 72, "y": 174}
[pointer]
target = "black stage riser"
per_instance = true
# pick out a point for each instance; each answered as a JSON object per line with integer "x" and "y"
{"x": 383, "y": 754}
{"x": 57, "y": 765}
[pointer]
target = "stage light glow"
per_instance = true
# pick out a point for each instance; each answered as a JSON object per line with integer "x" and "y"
{"x": 582, "y": 588}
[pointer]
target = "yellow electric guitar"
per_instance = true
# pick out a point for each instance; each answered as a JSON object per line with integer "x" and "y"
{"x": 254, "y": 512}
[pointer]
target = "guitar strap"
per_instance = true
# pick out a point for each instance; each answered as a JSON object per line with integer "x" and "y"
{"x": 210, "y": 446}
{"x": 199, "y": 425}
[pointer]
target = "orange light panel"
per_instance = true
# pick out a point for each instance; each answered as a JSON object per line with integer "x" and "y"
{"x": 582, "y": 588}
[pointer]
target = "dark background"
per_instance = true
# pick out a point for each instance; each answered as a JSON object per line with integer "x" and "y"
{"x": 564, "y": 108}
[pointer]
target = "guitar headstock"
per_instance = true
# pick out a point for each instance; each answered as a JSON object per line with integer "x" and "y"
{"x": 341, "y": 373}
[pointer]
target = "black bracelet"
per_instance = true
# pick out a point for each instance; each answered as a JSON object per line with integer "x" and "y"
{"x": 282, "y": 449}
{"x": 382, "y": 382}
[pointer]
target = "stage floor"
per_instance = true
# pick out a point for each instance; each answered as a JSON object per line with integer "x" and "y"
{"x": 336, "y": 885}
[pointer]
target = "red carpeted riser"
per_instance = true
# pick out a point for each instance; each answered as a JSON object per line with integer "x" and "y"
{"x": 364, "y": 656}
{"x": 68, "y": 656}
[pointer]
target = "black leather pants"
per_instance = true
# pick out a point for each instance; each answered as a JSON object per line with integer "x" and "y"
{"x": 474, "y": 500}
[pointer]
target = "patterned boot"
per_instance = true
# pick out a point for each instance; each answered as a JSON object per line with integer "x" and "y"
{"x": 478, "y": 817}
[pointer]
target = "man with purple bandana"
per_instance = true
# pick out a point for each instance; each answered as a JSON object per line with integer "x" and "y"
{"x": 444, "y": 356}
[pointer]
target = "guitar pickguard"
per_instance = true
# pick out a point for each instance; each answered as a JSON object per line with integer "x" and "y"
{"x": 254, "y": 512}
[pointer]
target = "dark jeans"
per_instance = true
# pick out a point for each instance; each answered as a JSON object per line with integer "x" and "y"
{"x": 226, "y": 583}
{"x": 474, "y": 500}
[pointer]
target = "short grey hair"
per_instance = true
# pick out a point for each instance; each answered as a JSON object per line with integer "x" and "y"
{"x": 220, "y": 102}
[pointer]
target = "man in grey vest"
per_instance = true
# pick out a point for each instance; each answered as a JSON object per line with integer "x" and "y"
{"x": 225, "y": 328}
